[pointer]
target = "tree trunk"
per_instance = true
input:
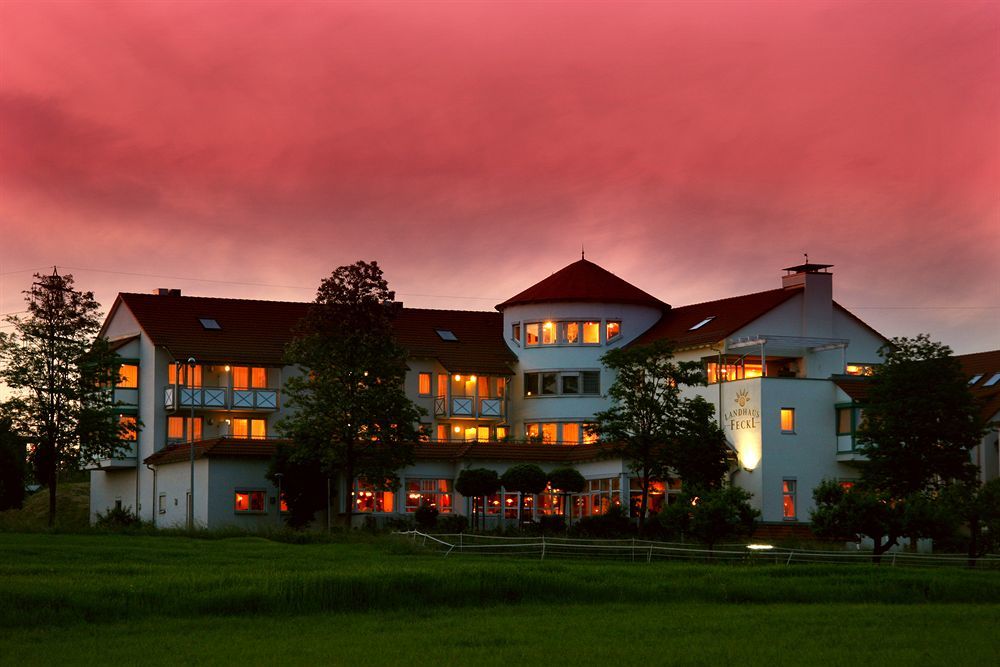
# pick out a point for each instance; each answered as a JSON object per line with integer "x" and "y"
{"x": 643, "y": 503}
{"x": 52, "y": 501}
{"x": 349, "y": 486}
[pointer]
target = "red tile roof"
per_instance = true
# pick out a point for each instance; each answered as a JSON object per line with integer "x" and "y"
{"x": 986, "y": 364}
{"x": 480, "y": 347}
{"x": 855, "y": 387}
{"x": 234, "y": 448}
{"x": 256, "y": 332}
{"x": 584, "y": 281}
{"x": 728, "y": 316}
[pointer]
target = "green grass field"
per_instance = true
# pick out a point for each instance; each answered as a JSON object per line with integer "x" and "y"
{"x": 157, "y": 600}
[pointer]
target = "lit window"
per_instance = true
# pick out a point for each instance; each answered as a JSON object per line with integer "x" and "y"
{"x": 858, "y": 369}
{"x": 424, "y": 384}
{"x": 209, "y": 323}
{"x": 434, "y": 493}
{"x": 516, "y": 332}
{"x": 284, "y": 503}
{"x": 788, "y": 498}
{"x": 549, "y": 433}
{"x": 844, "y": 425}
{"x": 571, "y": 332}
{"x": 975, "y": 378}
{"x": 128, "y": 376}
{"x": 589, "y": 437}
{"x": 369, "y": 499}
{"x": 258, "y": 378}
{"x": 614, "y": 329}
{"x": 591, "y": 333}
{"x": 258, "y": 429}
{"x": 482, "y": 433}
{"x": 846, "y": 484}
{"x": 993, "y": 380}
{"x": 176, "y": 428}
{"x": 702, "y": 323}
{"x": 446, "y": 334}
{"x": 127, "y": 428}
{"x": 531, "y": 333}
{"x": 442, "y": 384}
{"x": 788, "y": 420}
{"x": 173, "y": 378}
{"x": 249, "y": 502}
{"x": 501, "y": 432}
{"x": 571, "y": 433}
{"x": 442, "y": 432}
{"x": 548, "y": 333}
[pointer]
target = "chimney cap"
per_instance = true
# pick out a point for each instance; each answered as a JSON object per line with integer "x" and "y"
{"x": 808, "y": 268}
{"x": 163, "y": 291}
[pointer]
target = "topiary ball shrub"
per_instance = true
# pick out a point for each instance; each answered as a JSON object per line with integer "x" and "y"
{"x": 426, "y": 517}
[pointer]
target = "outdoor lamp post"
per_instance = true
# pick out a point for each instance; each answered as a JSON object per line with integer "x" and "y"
{"x": 191, "y": 362}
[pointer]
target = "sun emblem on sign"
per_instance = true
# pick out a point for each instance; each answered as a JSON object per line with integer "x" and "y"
{"x": 743, "y": 397}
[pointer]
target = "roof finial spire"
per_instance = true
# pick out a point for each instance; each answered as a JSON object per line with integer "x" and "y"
{"x": 807, "y": 257}
{"x": 583, "y": 252}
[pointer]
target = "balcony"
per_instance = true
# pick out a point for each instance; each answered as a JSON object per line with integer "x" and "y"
{"x": 124, "y": 458}
{"x": 220, "y": 398}
{"x": 473, "y": 407}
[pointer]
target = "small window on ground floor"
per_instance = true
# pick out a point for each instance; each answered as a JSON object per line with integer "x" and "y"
{"x": 368, "y": 498}
{"x": 250, "y": 501}
{"x": 788, "y": 499}
{"x": 161, "y": 503}
{"x": 434, "y": 493}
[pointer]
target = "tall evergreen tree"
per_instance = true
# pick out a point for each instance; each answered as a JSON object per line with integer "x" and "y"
{"x": 60, "y": 377}
{"x": 350, "y": 416}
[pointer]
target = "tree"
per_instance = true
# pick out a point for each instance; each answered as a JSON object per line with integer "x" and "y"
{"x": 12, "y": 458}
{"x": 60, "y": 376}
{"x": 850, "y": 514}
{"x": 979, "y": 506}
{"x": 700, "y": 454}
{"x": 648, "y": 416}
{"x": 716, "y": 515}
{"x": 477, "y": 483}
{"x": 920, "y": 420}
{"x": 567, "y": 481}
{"x": 526, "y": 478}
{"x": 350, "y": 416}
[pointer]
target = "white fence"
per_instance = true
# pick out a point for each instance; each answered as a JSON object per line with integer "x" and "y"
{"x": 635, "y": 550}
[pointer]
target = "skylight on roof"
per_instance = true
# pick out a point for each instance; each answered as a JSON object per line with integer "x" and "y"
{"x": 446, "y": 334}
{"x": 976, "y": 378}
{"x": 702, "y": 323}
{"x": 209, "y": 323}
{"x": 993, "y": 380}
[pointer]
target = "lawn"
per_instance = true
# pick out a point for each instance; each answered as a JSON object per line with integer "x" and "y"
{"x": 112, "y": 598}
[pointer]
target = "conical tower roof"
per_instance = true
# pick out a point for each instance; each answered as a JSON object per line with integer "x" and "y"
{"x": 584, "y": 281}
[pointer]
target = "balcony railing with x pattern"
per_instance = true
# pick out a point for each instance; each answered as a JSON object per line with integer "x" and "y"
{"x": 220, "y": 398}
{"x": 470, "y": 406}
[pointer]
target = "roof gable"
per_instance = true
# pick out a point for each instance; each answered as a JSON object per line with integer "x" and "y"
{"x": 584, "y": 282}
{"x": 986, "y": 364}
{"x": 727, "y": 316}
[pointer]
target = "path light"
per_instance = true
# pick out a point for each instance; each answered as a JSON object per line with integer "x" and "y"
{"x": 760, "y": 547}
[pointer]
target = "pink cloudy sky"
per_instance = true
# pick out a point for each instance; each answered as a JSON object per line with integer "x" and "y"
{"x": 694, "y": 147}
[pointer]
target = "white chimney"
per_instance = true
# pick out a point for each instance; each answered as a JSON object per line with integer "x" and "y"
{"x": 817, "y": 302}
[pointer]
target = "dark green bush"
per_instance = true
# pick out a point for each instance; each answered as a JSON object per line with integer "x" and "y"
{"x": 426, "y": 517}
{"x": 452, "y": 523}
{"x": 118, "y": 518}
{"x": 611, "y": 524}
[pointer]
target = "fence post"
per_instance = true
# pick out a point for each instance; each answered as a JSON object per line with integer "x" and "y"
{"x": 789, "y": 557}
{"x": 649, "y": 558}
{"x": 893, "y": 559}
{"x": 543, "y": 547}
{"x": 633, "y": 549}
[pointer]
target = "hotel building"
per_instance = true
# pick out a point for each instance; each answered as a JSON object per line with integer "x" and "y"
{"x": 516, "y": 385}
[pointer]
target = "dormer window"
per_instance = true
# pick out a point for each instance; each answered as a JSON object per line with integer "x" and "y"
{"x": 976, "y": 378}
{"x": 209, "y": 324}
{"x": 993, "y": 380}
{"x": 614, "y": 330}
{"x": 702, "y": 323}
{"x": 446, "y": 334}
